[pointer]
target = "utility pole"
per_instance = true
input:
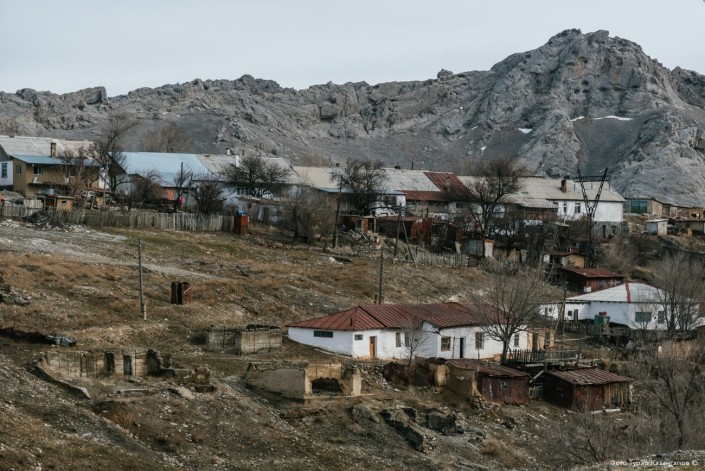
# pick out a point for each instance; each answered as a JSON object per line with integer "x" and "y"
{"x": 143, "y": 306}
{"x": 381, "y": 271}
{"x": 337, "y": 212}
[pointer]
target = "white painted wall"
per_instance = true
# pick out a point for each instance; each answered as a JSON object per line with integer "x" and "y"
{"x": 606, "y": 211}
{"x": 619, "y": 312}
{"x": 7, "y": 181}
{"x": 344, "y": 342}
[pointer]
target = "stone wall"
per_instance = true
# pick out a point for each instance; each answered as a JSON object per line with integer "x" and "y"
{"x": 82, "y": 364}
{"x": 244, "y": 339}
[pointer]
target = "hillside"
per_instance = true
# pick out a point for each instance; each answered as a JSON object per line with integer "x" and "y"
{"x": 581, "y": 101}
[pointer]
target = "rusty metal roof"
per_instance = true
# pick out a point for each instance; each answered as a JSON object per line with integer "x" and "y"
{"x": 589, "y": 376}
{"x": 593, "y": 272}
{"x": 487, "y": 369}
{"x": 396, "y": 316}
{"x": 412, "y": 195}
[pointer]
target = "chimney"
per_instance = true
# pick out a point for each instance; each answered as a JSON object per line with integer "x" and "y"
{"x": 52, "y": 149}
{"x": 564, "y": 185}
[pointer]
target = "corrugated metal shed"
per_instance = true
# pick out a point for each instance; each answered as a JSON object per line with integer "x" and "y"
{"x": 39, "y": 146}
{"x": 487, "y": 369}
{"x": 167, "y": 165}
{"x": 589, "y": 376}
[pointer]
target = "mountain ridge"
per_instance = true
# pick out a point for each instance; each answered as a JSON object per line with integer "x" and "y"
{"x": 580, "y": 101}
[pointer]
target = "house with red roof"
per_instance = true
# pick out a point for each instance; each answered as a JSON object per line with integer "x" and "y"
{"x": 443, "y": 330}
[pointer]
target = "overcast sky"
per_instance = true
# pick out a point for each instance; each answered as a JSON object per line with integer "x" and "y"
{"x": 67, "y": 45}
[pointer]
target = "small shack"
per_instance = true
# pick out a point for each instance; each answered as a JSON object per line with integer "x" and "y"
{"x": 657, "y": 226}
{"x": 589, "y": 280}
{"x": 494, "y": 383}
{"x": 587, "y": 389}
{"x": 241, "y": 340}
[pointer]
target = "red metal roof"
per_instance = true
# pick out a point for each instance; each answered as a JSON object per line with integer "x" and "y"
{"x": 487, "y": 369}
{"x": 593, "y": 272}
{"x": 447, "y": 182}
{"x": 396, "y": 316}
{"x": 589, "y": 376}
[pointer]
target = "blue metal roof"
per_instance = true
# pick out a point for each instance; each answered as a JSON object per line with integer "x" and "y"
{"x": 166, "y": 165}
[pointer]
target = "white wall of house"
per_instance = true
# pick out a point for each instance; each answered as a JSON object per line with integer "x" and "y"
{"x": 340, "y": 342}
{"x": 618, "y": 312}
{"x": 435, "y": 346}
{"x": 606, "y": 211}
{"x": 6, "y": 173}
{"x": 357, "y": 343}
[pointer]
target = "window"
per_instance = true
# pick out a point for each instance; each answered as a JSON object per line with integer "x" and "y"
{"x": 516, "y": 340}
{"x": 37, "y": 169}
{"x": 3, "y": 170}
{"x": 445, "y": 344}
{"x": 503, "y": 385}
{"x": 323, "y": 333}
{"x": 565, "y": 208}
{"x": 642, "y": 317}
{"x": 662, "y": 317}
{"x": 407, "y": 340}
{"x": 479, "y": 340}
{"x": 358, "y": 336}
{"x": 578, "y": 208}
{"x": 398, "y": 339}
{"x": 18, "y": 169}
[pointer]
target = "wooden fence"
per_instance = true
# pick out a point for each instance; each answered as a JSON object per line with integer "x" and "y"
{"x": 136, "y": 219}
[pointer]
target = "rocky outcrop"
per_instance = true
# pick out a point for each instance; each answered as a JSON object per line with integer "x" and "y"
{"x": 581, "y": 101}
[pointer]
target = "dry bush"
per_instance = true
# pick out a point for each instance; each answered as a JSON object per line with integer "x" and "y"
{"x": 491, "y": 447}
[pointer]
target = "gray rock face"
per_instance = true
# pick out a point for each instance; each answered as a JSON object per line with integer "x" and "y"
{"x": 586, "y": 101}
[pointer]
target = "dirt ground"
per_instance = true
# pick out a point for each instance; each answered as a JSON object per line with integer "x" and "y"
{"x": 84, "y": 284}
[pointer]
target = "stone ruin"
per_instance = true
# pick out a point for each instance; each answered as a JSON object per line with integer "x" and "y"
{"x": 302, "y": 380}
{"x": 241, "y": 340}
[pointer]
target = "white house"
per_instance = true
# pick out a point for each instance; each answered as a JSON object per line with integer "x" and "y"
{"x": 635, "y": 305}
{"x": 446, "y": 330}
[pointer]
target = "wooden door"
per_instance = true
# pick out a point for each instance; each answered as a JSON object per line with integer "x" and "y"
{"x": 462, "y": 347}
{"x": 373, "y": 347}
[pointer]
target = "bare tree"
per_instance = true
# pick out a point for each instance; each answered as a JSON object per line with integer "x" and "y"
{"x": 309, "y": 214}
{"x": 170, "y": 138}
{"x": 415, "y": 337}
{"x": 364, "y": 181}
{"x": 260, "y": 177}
{"x": 679, "y": 279}
{"x": 672, "y": 378}
{"x": 107, "y": 150}
{"x": 511, "y": 302}
{"x": 79, "y": 171}
{"x": 489, "y": 191}
{"x": 208, "y": 194}
{"x": 145, "y": 189}
{"x": 182, "y": 181}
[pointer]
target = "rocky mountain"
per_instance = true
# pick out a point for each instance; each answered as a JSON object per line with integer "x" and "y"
{"x": 581, "y": 101}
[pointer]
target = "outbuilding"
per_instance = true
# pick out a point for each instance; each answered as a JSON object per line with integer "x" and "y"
{"x": 495, "y": 383}
{"x": 587, "y": 389}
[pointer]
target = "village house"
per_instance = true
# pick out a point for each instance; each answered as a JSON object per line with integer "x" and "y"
{"x": 658, "y": 208}
{"x": 444, "y": 330}
{"x": 546, "y": 199}
{"x": 162, "y": 168}
{"x": 587, "y": 389}
{"x": 632, "y": 305}
{"x": 40, "y": 165}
